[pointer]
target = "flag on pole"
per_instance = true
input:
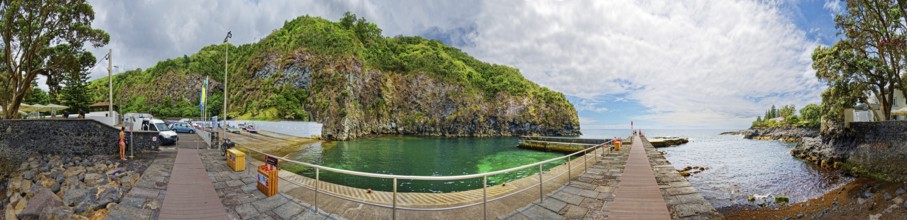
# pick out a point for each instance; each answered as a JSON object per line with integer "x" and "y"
{"x": 203, "y": 96}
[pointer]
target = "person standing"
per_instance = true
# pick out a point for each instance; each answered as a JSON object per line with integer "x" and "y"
{"x": 81, "y": 114}
{"x": 123, "y": 143}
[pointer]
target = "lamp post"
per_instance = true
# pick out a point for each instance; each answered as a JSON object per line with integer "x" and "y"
{"x": 226, "y": 65}
{"x": 110, "y": 84}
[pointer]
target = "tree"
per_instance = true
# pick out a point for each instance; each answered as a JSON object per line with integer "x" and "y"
{"x": 810, "y": 116}
{"x": 76, "y": 94}
{"x": 36, "y": 95}
{"x": 41, "y": 37}
{"x": 348, "y": 19}
{"x": 870, "y": 58}
{"x": 840, "y": 69}
{"x": 773, "y": 112}
{"x": 787, "y": 110}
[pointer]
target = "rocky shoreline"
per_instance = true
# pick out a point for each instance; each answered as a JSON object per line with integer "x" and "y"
{"x": 782, "y": 134}
{"x": 873, "y": 151}
{"x": 58, "y": 187}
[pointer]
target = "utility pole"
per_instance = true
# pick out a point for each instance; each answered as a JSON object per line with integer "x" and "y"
{"x": 110, "y": 86}
{"x": 226, "y": 65}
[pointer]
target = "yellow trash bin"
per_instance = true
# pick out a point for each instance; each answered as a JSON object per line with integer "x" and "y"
{"x": 236, "y": 159}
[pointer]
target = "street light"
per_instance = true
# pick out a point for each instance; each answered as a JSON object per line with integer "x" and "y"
{"x": 109, "y": 58}
{"x": 226, "y": 64}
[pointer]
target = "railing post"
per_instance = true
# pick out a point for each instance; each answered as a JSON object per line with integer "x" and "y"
{"x": 484, "y": 197}
{"x": 541, "y": 194}
{"x": 569, "y": 168}
{"x": 317, "y": 179}
{"x": 394, "y": 214}
{"x": 585, "y": 162}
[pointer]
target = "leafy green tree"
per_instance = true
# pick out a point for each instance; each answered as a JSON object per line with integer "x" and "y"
{"x": 810, "y": 116}
{"x": 869, "y": 59}
{"x": 40, "y": 37}
{"x": 36, "y": 96}
{"x": 76, "y": 95}
{"x": 792, "y": 120}
{"x": 787, "y": 110}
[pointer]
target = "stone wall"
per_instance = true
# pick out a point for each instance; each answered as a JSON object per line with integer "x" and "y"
{"x": 881, "y": 147}
{"x": 878, "y": 149}
{"x": 67, "y": 137}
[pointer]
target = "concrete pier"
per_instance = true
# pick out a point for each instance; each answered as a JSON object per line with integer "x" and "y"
{"x": 558, "y": 144}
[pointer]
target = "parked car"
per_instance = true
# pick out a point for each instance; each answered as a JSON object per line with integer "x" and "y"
{"x": 182, "y": 127}
{"x": 167, "y": 136}
{"x": 233, "y": 129}
{"x": 251, "y": 129}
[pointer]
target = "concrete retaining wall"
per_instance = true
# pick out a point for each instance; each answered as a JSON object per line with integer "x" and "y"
{"x": 68, "y": 137}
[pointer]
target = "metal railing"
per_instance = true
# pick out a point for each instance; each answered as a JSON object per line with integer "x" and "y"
{"x": 594, "y": 150}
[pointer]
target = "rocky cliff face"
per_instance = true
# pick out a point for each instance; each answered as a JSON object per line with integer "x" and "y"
{"x": 352, "y": 102}
{"x": 354, "y": 81}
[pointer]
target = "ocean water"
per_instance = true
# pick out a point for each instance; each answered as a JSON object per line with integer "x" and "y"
{"x": 739, "y": 167}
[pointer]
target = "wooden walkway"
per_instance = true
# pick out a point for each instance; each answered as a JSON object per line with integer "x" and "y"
{"x": 637, "y": 195}
{"x": 190, "y": 193}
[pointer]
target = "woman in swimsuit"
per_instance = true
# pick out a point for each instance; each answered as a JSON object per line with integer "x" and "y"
{"x": 123, "y": 143}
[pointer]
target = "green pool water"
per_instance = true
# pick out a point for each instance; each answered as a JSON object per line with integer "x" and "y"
{"x": 424, "y": 156}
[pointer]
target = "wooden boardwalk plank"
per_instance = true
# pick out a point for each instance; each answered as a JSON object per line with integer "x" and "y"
{"x": 637, "y": 195}
{"x": 190, "y": 193}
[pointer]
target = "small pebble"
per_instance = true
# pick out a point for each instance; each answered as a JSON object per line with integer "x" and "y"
{"x": 867, "y": 195}
{"x": 887, "y": 196}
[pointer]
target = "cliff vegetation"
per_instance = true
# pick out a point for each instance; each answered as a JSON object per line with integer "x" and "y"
{"x": 352, "y": 79}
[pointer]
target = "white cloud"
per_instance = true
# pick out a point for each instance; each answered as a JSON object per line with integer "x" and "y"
{"x": 689, "y": 62}
{"x": 833, "y": 6}
{"x": 592, "y": 105}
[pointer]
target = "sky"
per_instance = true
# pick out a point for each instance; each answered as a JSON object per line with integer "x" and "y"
{"x": 662, "y": 64}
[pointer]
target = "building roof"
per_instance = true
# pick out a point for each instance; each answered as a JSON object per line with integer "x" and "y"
{"x": 101, "y": 105}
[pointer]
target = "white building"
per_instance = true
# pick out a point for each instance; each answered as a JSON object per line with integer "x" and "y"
{"x": 900, "y": 104}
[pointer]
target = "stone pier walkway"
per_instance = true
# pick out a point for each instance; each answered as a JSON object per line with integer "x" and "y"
{"x": 190, "y": 193}
{"x": 588, "y": 196}
{"x": 638, "y": 195}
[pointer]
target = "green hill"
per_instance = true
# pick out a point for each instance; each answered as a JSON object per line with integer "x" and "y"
{"x": 356, "y": 82}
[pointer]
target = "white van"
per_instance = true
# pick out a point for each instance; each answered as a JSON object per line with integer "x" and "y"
{"x": 147, "y": 122}
{"x": 167, "y": 136}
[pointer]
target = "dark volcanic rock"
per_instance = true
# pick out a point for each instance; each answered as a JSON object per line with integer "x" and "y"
{"x": 42, "y": 200}
{"x": 780, "y": 133}
{"x": 876, "y": 149}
